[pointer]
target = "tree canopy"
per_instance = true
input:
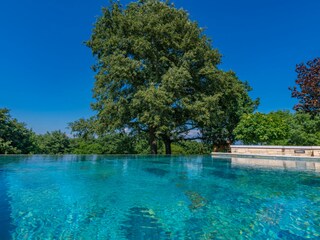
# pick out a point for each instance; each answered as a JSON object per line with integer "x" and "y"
{"x": 307, "y": 90}
{"x": 279, "y": 128}
{"x": 156, "y": 73}
{"x": 304, "y": 130}
{"x": 260, "y": 128}
{"x": 84, "y": 128}
{"x": 14, "y": 136}
{"x": 55, "y": 142}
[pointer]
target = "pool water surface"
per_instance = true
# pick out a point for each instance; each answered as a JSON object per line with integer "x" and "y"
{"x": 145, "y": 197}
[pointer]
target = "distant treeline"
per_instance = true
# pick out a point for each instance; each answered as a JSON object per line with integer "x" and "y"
{"x": 275, "y": 128}
{"x": 16, "y": 138}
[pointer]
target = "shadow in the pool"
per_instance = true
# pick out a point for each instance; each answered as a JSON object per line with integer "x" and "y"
{"x": 223, "y": 174}
{"x": 156, "y": 171}
{"x": 142, "y": 223}
{"x": 311, "y": 182}
{"x": 285, "y": 234}
{"x": 159, "y": 162}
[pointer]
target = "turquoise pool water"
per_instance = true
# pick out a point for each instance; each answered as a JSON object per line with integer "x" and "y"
{"x": 130, "y": 197}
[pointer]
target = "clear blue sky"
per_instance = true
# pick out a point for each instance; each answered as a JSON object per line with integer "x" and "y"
{"x": 45, "y": 75}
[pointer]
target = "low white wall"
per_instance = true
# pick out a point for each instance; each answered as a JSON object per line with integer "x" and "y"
{"x": 308, "y": 151}
{"x": 281, "y": 164}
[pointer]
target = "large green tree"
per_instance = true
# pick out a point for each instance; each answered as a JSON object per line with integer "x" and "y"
{"x": 222, "y": 117}
{"x": 156, "y": 72}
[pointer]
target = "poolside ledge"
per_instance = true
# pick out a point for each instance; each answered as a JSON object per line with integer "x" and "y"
{"x": 276, "y": 151}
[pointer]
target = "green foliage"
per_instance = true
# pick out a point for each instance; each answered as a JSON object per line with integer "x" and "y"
{"x": 259, "y": 128}
{"x": 279, "y": 128}
{"x": 141, "y": 144}
{"x": 123, "y": 143}
{"x": 177, "y": 149}
{"x": 116, "y": 143}
{"x": 84, "y": 128}
{"x": 156, "y": 72}
{"x": 193, "y": 147}
{"x": 55, "y": 142}
{"x": 190, "y": 147}
{"x": 305, "y": 130}
{"x": 81, "y": 146}
{"x": 7, "y": 148}
{"x": 91, "y": 139}
{"x": 220, "y": 117}
{"x": 14, "y": 136}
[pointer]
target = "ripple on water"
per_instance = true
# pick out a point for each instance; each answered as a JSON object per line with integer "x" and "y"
{"x": 147, "y": 199}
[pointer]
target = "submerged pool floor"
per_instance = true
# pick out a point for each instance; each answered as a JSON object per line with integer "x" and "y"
{"x": 131, "y": 197}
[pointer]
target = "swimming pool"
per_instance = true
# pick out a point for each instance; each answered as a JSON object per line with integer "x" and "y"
{"x": 145, "y": 197}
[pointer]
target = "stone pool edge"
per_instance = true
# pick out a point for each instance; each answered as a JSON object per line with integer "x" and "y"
{"x": 264, "y": 156}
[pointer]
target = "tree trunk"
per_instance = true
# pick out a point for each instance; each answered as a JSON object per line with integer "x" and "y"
{"x": 153, "y": 142}
{"x": 222, "y": 147}
{"x": 167, "y": 143}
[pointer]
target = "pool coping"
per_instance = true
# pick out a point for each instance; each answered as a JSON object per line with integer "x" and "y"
{"x": 276, "y": 147}
{"x": 264, "y": 156}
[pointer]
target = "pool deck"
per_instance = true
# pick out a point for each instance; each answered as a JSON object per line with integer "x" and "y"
{"x": 265, "y": 156}
{"x": 297, "y": 152}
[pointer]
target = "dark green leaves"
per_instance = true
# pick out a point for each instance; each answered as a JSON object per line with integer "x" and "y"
{"x": 156, "y": 72}
{"x": 14, "y": 136}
